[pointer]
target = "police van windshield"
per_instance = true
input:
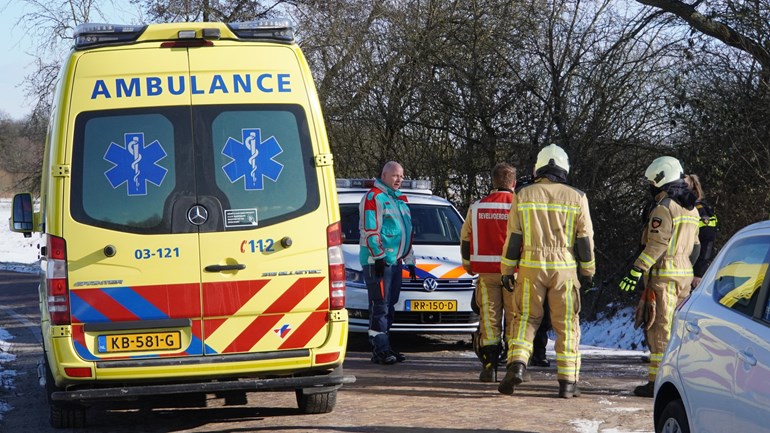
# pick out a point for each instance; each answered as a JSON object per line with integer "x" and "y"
{"x": 433, "y": 225}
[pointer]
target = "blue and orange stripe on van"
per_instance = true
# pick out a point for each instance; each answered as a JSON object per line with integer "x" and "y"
{"x": 231, "y": 310}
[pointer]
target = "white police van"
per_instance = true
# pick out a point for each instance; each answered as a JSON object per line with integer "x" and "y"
{"x": 439, "y": 299}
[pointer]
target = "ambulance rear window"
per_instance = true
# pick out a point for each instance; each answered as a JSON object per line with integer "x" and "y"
{"x": 124, "y": 167}
{"x": 261, "y": 161}
{"x": 145, "y": 170}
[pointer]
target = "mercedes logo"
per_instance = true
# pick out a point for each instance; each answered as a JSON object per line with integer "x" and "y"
{"x": 197, "y": 215}
{"x": 429, "y": 284}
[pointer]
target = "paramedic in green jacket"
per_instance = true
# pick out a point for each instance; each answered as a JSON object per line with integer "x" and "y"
{"x": 386, "y": 244}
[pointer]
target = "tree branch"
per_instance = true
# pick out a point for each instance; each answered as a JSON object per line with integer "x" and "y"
{"x": 713, "y": 28}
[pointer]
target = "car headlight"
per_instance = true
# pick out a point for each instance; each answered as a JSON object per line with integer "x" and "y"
{"x": 354, "y": 276}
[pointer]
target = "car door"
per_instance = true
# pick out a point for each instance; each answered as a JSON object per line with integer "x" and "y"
{"x": 719, "y": 359}
{"x": 750, "y": 315}
{"x": 133, "y": 258}
{"x": 263, "y": 247}
{"x": 704, "y": 365}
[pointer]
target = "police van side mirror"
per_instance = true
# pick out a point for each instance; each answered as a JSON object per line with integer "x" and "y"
{"x": 22, "y": 216}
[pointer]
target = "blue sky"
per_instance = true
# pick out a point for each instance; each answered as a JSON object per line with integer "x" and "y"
{"x": 15, "y": 63}
{"x": 18, "y": 42}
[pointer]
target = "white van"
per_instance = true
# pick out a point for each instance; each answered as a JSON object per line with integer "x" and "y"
{"x": 440, "y": 298}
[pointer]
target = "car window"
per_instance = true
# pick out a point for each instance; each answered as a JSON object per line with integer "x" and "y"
{"x": 349, "y": 221}
{"x": 742, "y": 273}
{"x": 262, "y": 160}
{"x": 131, "y": 167}
{"x": 433, "y": 225}
{"x": 125, "y": 167}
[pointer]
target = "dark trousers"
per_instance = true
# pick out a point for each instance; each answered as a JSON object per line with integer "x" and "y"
{"x": 541, "y": 336}
{"x": 383, "y": 296}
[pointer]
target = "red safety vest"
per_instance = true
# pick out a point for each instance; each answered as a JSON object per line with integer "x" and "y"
{"x": 489, "y": 226}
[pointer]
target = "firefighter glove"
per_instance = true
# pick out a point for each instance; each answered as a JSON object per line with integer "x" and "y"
{"x": 630, "y": 281}
{"x": 507, "y": 281}
{"x": 379, "y": 268}
{"x": 412, "y": 272}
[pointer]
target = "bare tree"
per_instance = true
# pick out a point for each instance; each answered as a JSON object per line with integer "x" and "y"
{"x": 20, "y": 145}
{"x": 207, "y": 10}
{"x": 739, "y": 24}
{"x": 53, "y": 24}
{"x": 719, "y": 102}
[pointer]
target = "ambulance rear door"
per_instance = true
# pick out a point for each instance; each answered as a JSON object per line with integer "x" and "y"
{"x": 264, "y": 260}
{"x": 133, "y": 256}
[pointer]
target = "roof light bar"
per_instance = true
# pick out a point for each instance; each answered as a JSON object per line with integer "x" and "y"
{"x": 211, "y": 34}
{"x": 95, "y": 34}
{"x": 416, "y": 184}
{"x": 281, "y": 29}
{"x": 186, "y": 34}
{"x": 422, "y": 184}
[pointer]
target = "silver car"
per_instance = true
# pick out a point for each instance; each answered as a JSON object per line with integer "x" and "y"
{"x": 439, "y": 299}
{"x": 715, "y": 373}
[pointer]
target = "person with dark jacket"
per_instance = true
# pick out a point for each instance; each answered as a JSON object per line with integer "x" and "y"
{"x": 707, "y": 232}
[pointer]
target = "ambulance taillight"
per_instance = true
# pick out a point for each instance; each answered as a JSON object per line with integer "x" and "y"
{"x": 336, "y": 267}
{"x": 56, "y": 277}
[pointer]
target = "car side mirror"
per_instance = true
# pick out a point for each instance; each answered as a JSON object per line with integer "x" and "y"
{"x": 22, "y": 215}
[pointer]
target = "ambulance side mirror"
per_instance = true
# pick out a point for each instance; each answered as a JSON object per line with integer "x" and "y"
{"x": 22, "y": 215}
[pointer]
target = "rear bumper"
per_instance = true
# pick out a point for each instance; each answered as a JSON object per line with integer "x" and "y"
{"x": 421, "y": 323}
{"x": 311, "y": 384}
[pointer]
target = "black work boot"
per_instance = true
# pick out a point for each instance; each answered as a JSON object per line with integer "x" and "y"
{"x": 539, "y": 361}
{"x": 513, "y": 376}
{"x": 489, "y": 356}
{"x": 400, "y": 357}
{"x": 568, "y": 389}
{"x": 381, "y": 352}
{"x": 645, "y": 390}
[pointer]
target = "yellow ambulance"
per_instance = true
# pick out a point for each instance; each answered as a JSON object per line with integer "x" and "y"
{"x": 190, "y": 227}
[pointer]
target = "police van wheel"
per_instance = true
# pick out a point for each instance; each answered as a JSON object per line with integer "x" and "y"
{"x": 63, "y": 415}
{"x": 322, "y": 402}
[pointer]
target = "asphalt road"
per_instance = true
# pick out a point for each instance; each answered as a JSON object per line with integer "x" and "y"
{"x": 435, "y": 390}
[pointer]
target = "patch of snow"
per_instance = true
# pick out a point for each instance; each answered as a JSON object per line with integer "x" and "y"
{"x": 586, "y": 425}
{"x": 17, "y": 253}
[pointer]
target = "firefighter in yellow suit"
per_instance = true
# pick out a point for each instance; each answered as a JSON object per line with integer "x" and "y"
{"x": 550, "y": 238}
{"x": 671, "y": 246}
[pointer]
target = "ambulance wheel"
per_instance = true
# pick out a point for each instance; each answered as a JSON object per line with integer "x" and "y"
{"x": 63, "y": 415}
{"x": 322, "y": 402}
{"x": 72, "y": 416}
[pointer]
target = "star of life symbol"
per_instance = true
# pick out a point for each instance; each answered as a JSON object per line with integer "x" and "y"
{"x": 252, "y": 159}
{"x": 135, "y": 164}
